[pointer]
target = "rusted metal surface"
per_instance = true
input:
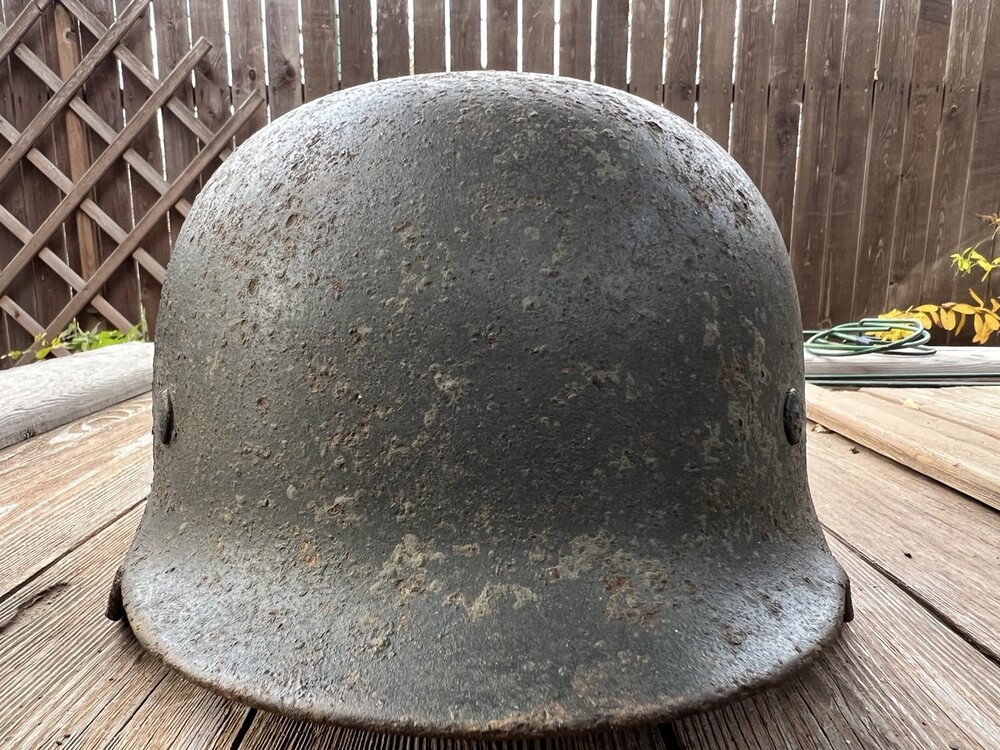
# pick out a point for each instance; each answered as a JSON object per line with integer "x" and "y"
{"x": 477, "y": 414}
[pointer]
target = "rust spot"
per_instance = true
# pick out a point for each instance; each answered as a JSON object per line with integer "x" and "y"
{"x": 636, "y": 589}
{"x": 350, "y": 437}
{"x": 733, "y": 636}
{"x": 309, "y": 553}
{"x": 734, "y": 375}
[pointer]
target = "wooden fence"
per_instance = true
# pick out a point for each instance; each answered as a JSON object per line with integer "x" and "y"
{"x": 871, "y": 127}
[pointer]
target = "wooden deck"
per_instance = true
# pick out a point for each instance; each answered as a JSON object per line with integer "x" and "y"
{"x": 918, "y": 668}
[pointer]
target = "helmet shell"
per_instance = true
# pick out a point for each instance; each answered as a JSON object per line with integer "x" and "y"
{"x": 472, "y": 407}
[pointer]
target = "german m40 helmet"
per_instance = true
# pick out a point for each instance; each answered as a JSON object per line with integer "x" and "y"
{"x": 476, "y": 413}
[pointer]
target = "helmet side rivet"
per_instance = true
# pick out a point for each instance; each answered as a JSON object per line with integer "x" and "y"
{"x": 794, "y": 417}
{"x": 163, "y": 427}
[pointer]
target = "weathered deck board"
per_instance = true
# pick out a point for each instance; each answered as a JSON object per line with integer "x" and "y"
{"x": 958, "y": 456}
{"x": 92, "y": 685}
{"x": 59, "y": 488}
{"x": 980, "y": 361}
{"x": 917, "y": 668}
{"x": 940, "y": 547}
{"x": 976, "y": 408}
{"x": 52, "y": 631}
{"x": 58, "y": 391}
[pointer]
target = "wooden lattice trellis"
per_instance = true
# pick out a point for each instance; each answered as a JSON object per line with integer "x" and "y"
{"x": 79, "y": 208}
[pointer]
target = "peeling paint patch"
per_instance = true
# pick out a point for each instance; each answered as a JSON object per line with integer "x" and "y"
{"x": 431, "y": 416}
{"x": 369, "y": 634}
{"x": 450, "y": 385}
{"x": 586, "y": 552}
{"x": 711, "y": 333}
{"x": 490, "y": 597}
{"x": 351, "y": 679}
{"x": 405, "y": 570}
{"x": 636, "y": 586}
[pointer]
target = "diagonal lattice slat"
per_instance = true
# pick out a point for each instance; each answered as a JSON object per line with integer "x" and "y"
{"x": 68, "y": 275}
{"x": 97, "y": 125}
{"x": 156, "y": 211}
{"x": 77, "y": 186}
{"x": 142, "y": 73}
{"x": 24, "y": 21}
{"x": 70, "y": 86}
{"x": 102, "y": 162}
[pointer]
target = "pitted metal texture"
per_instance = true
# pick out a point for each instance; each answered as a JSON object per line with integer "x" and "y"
{"x": 471, "y": 405}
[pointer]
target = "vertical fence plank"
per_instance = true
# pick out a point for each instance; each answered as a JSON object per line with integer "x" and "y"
{"x": 283, "y": 71}
{"x": 501, "y": 34}
{"x": 850, "y": 152}
{"x": 715, "y": 89}
{"x": 954, "y": 146}
{"x": 54, "y": 144}
{"x": 988, "y": 124}
{"x": 538, "y": 32}
{"x": 147, "y": 144}
{"x": 172, "y": 43}
{"x": 983, "y": 193}
{"x": 393, "y": 39}
{"x": 682, "y": 57}
{"x": 611, "y": 43}
{"x": 885, "y": 153}
{"x": 319, "y": 48}
{"x": 646, "y": 79}
{"x": 30, "y": 94}
{"x": 83, "y": 253}
{"x": 113, "y": 192}
{"x": 246, "y": 35}
{"x": 813, "y": 184}
{"x": 753, "y": 66}
{"x": 923, "y": 117}
{"x": 574, "y": 39}
{"x": 211, "y": 80}
{"x": 465, "y": 43}
{"x": 784, "y": 104}
{"x": 356, "y": 64}
{"x": 428, "y": 36}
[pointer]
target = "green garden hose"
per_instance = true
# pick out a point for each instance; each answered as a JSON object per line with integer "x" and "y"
{"x": 852, "y": 339}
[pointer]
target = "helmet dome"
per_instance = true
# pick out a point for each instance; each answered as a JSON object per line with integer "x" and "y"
{"x": 474, "y": 416}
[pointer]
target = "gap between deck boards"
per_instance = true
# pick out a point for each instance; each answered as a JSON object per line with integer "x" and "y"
{"x": 929, "y": 607}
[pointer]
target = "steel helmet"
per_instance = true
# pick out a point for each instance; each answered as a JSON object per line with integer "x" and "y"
{"x": 476, "y": 413}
